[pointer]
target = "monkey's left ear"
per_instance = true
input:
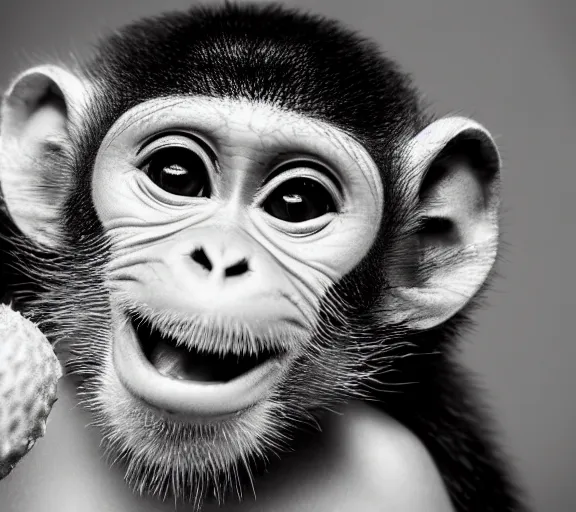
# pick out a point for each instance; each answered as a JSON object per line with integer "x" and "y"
{"x": 40, "y": 111}
{"x": 455, "y": 168}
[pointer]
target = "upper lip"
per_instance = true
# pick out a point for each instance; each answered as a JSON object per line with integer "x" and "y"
{"x": 194, "y": 335}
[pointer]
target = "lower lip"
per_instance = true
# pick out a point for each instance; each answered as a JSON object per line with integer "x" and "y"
{"x": 200, "y": 399}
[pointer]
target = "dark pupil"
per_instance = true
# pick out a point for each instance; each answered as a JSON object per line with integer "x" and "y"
{"x": 178, "y": 171}
{"x": 298, "y": 200}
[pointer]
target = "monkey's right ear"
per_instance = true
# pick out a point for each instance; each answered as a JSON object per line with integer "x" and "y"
{"x": 40, "y": 111}
{"x": 454, "y": 170}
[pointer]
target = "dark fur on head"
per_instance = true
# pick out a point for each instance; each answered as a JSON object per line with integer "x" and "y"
{"x": 319, "y": 68}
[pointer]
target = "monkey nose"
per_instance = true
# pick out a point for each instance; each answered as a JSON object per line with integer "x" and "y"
{"x": 220, "y": 266}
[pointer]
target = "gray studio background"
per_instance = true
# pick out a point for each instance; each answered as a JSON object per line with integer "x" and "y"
{"x": 510, "y": 65}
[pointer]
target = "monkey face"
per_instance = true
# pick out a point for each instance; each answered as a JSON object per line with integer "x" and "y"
{"x": 228, "y": 222}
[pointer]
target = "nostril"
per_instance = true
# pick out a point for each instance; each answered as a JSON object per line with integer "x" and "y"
{"x": 238, "y": 269}
{"x": 200, "y": 257}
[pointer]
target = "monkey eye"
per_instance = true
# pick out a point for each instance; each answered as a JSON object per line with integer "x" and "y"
{"x": 299, "y": 200}
{"x": 178, "y": 171}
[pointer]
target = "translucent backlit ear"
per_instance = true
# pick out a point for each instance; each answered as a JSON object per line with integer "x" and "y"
{"x": 40, "y": 110}
{"x": 456, "y": 172}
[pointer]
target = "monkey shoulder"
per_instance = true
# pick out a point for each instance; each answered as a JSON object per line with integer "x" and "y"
{"x": 381, "y": 460}
{"x": 361, "y": 460}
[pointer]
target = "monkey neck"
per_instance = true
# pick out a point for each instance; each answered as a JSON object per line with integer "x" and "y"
{"x": 66, "y": 470}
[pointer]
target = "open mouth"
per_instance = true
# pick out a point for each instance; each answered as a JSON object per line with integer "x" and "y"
{"x": 201, "y": 385}
{"x": 178, "y": 361}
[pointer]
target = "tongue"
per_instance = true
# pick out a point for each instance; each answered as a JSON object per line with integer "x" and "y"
{"x": 178, "y": 363}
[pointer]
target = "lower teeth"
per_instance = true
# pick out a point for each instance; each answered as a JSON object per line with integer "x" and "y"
{"x": 174, "y": 362}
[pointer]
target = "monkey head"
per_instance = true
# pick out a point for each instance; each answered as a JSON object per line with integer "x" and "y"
{"x": 229, "y": 219}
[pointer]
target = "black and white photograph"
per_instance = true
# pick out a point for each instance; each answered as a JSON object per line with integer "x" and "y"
{"x": 294, "y": 256}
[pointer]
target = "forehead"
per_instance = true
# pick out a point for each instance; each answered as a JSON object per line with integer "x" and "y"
{"x": 223, "y": 117}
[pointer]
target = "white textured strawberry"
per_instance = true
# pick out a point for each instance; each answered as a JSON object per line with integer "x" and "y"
{"x": 29, "y": 373}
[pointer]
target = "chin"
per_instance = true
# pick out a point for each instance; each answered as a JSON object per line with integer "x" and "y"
{"x": 166, "y": 455}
